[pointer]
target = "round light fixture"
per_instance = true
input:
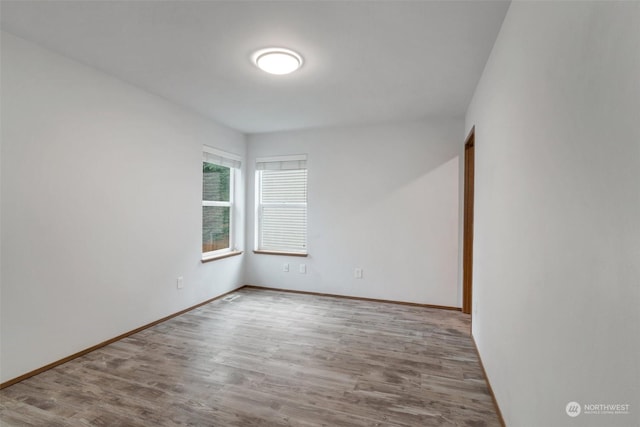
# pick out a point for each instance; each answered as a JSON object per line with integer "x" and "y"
{"x": 276, "y": 60}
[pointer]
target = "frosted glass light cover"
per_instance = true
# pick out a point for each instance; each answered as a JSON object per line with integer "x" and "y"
{"x": 277, "y": 60}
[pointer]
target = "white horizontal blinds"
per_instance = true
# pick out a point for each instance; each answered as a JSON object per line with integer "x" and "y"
{"x": 222, "y": 158}
{"x": 283, "y": 204}
{"x": 282, "y": 163}
{"x": 287, "y": 186}
{"x": 284, "y": 229}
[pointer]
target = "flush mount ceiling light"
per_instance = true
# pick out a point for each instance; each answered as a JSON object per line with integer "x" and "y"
{"x": 277, "y": 60}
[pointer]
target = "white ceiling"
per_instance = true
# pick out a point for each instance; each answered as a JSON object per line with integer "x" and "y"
{"x": 365, "y": 61}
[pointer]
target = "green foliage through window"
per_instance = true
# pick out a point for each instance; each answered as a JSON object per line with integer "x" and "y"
{"x": 215, "y": 182}
{"x": 216, "y": 207}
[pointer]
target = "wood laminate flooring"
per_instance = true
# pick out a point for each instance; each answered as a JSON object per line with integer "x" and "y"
{"x": 271, "y": 358}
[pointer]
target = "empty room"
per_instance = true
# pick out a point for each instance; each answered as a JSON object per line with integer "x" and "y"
{"x": 320, "y": 213}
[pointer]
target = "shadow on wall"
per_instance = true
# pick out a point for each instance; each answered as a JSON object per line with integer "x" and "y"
{"x": 404, "y": 212}
{"x": 406, "y": 237}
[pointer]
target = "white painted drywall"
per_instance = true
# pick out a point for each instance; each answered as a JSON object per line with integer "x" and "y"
{"x": 383, "y": 198}
{"x": 101, "y": 208}
{"x": 557, "y": 239}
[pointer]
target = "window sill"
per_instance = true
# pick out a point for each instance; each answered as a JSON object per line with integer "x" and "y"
{"x": 220, "y": 256}
{"x": 280, "y": 253}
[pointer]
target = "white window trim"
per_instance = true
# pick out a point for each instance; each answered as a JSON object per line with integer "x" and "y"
{"x": 231, "y": 205}
{"x": 233, "y": 162}
{"x": 258, "y": 205}
{"x": 221, "y": 158}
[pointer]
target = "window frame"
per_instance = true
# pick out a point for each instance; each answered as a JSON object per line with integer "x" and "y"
{"x": 232, "y": 162}
{"x": 259, "y": 207}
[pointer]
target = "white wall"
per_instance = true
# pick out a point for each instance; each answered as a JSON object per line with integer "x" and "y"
{"x": 383, "y": 198}
{"x": 557, "y": 240}
{"x": 101, "y": 207}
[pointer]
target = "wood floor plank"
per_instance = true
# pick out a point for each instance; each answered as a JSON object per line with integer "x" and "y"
{"x": 271, "y": 358}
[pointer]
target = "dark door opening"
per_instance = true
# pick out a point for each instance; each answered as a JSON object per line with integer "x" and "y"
{"x": 467, "y": 245}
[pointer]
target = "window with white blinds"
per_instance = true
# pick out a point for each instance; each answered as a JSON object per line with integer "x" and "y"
{"x": 282, "y": 204}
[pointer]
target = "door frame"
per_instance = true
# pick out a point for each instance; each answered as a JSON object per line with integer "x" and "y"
{"x": 467, "y": 240}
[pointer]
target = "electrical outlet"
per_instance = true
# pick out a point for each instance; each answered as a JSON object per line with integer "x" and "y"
{"x": 285, "y": 268}
{"x": 303, "y": 269}
{"x": 180, "y": 282}
{"x": 357, "y": 273}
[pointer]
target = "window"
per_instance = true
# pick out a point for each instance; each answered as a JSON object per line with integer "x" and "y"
{"x": 281, "y": 195}
{"x": 218, "y": 177}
